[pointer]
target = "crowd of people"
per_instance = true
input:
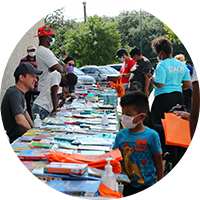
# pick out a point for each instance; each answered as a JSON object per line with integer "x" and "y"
{"x": 141, "y": 141}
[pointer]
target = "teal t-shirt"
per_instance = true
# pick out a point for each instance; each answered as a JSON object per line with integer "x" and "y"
{"x": 138, "y": 150}
{"x": 171, "y": 73}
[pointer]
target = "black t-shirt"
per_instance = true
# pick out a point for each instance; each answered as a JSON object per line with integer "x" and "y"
{"x": 13, "y": 103}
{"x": 137, "y": 73}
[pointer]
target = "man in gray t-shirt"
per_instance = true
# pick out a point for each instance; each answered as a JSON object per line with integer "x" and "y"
{"x": 140, "y": 70}
{"x": 16, "y": 119}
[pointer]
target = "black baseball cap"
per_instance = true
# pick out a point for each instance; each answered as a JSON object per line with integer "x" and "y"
{"x": 120, "y": 52}
{"x": 25, "y": 68}
{"x": 72, "y": 79}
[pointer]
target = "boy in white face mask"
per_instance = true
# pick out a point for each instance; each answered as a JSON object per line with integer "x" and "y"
{"x": 140, "y": 146}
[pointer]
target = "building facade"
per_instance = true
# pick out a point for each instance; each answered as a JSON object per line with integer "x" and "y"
{"x": 20, "y": 20}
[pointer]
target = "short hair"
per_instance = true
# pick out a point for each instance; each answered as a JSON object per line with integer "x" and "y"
{"x": 138, "y": 84}
{"x": 64, "y": 52}
{"x": 134, "y": 51}
{"x": 162, "y": 44}
{"x": 72, "y": 79}
{"x": 67, "y": 59}
{"x": 121, "y": 51}
{"x": 137, "y": 99}
{"x": 178, "y": 57}
{"x": 17, "y": 77}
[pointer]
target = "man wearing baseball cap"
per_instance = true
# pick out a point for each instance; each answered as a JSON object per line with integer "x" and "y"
{"x": 46, "y": 60}
{"x": 30, "y": 58}
{"x": 125, "y": 70}
{"x": 16, "y": 119}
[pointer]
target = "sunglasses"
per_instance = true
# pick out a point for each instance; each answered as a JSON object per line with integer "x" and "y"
{"x": 71, "y": 65}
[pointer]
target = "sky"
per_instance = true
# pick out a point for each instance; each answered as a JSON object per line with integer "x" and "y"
{"x": 74, "y": 8}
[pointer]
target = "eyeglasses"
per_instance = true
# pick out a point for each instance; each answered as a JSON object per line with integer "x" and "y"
{"x": 71, "y": 65}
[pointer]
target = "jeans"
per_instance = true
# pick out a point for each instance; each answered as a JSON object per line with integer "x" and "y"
{"x": 42, "y": 112}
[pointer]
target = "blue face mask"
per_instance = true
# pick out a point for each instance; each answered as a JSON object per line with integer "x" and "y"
{"x": 52, "y": 42}
{"x": 122, "y": 59}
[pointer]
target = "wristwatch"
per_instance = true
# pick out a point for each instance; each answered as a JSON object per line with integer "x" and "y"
{"x": 123, "y": 75}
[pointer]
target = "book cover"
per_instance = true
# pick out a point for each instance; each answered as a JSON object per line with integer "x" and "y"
{"x": 20, "y": 146}
{"x": 65, "y": 168}
{"x": 33, "y": 154}
{"x": 26, "y": 138}
{"x": 99, "y": 172}
{"x": 65, "y": 137}
{"x": 95, "y": 141}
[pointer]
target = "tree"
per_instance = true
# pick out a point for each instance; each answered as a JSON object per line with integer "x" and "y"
{"x": 59, "y": 26}
{"x": 152, "y": 27}
{"x": 94, "y": 43}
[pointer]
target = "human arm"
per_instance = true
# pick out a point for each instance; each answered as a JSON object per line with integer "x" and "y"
{"x": 182, "y": 115}
{"x": 22, "y": 122}
{"x": 194, "y": 113}
{"x": 127, "y": 75}
{"x": 159, "y": 85}
{"x": 159, "y": 166}
{"x": 146, "y": 84}
{"x": 186, "y": 85}
{"x": 57, "y": 67}
{"x": 28, "y": 118}
{"x": 54, "y": 99}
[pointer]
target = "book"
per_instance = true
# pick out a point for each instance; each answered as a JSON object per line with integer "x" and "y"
{"x": 31, "y": 165}
{"x": 65, "y": 137}
{"x": 26, "y": 138}
{"x": 20, "y": 146}
{"x": 33, "y": 154}
{"x": 65, "y": 168}
{"x": 95, "y": 141}
{"x": 40, "y": 145}
{"x": 69, "y": 187}
{"x": 99, "y": 172}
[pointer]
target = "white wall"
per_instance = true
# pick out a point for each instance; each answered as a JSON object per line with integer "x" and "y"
{"x": 19, "y": 22}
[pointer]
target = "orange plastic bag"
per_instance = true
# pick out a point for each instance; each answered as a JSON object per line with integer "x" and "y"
{"x": 92, "y": 161}
{"x": 107, "y": 192}
{"x": 118, "y": 87}
{"x": 177, "y": 130}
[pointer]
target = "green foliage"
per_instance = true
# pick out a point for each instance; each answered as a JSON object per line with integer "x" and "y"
{"x": 59, "y": 26}
{"x": 130, "y": 28}
{"x": 94, "y": 43}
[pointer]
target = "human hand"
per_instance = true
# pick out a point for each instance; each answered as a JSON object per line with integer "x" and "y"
{"x": 120, "y": 76}
{"x": 53, "y": 113}
{"x": 182, "y": 115}
{"x": 147, "y": 93}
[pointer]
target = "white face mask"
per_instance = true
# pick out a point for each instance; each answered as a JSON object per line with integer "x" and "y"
{"x": 128, "y": 121}
{"x": 31, "y": 54}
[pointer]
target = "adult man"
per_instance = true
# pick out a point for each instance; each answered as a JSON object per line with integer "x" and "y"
{"x": 30, "y": 58}
{"x": 140, "y": 70}
{"x": 125, "y": 70}
{"x": 46, "y": 60}
{"x": 16, "y": 119}
{"x": 46, "y": 103}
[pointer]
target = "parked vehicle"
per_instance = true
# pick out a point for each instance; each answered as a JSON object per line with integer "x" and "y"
{"x": 116, "y": 66}
{"x": 83, "y": 79}
{"x": 100, "y": 73}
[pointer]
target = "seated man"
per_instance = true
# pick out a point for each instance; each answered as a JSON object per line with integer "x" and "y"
{"x": 46, "y": 103}
{"x": 16, "y": 119}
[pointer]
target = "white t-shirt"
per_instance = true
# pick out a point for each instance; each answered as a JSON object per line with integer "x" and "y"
{"x": 44, "y": 99}
{"x": 45, "y": 59}
{"x": 196, "y": 74}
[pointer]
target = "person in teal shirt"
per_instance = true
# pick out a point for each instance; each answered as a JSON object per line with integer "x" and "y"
{"x": 171, "y": 77}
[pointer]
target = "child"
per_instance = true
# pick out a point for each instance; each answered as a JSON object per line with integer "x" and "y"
{"x": 135, "y": 86}
{"x": 140, "y": 146}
